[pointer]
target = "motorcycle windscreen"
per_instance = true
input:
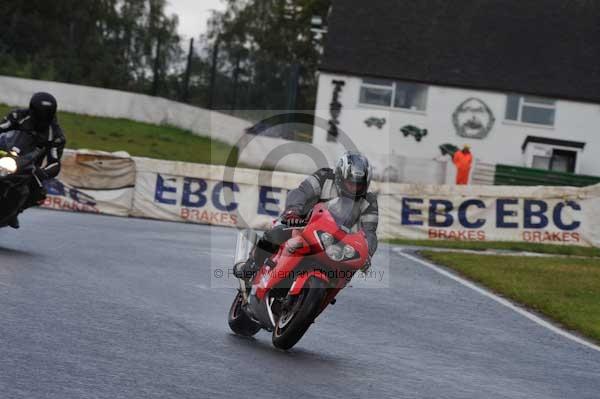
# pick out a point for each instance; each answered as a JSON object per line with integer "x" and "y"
{"x": 345, "y": 211}
{"x": 246, "y": 242}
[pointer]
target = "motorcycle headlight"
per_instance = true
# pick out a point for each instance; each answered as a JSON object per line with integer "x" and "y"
{"x": 335, "y": 253}
{"x": 349, "y": 252}
{"x": 8, "y": 166}
{"x": 327, "y": 239}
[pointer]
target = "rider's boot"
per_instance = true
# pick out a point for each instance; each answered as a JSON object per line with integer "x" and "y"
{"x": 246, "y": 270}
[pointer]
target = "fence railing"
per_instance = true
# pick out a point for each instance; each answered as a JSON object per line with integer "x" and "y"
{"x": 507, "y": 175}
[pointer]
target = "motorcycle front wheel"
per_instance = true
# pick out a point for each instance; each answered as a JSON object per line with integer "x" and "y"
{"x": 293, "y": 322}
{"x": 10, "y": 202}
{"x": 238, "y": 320}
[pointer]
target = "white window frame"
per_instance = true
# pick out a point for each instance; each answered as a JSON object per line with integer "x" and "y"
{"x": 522, "y": 103}
{"x": 391, "y": 87}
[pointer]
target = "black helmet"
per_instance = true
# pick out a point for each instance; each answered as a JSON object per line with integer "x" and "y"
{"x": 353, "y": 175}
{"x": 42, "y": 108}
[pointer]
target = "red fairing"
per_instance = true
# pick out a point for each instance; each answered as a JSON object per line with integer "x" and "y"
{"x": 302, "y": 279}
{"x": 305, "y": 243}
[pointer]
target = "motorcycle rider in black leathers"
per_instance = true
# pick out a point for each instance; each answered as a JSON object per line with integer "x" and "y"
{"x": 39, "y": 121}
{"x": 350, "y": 178}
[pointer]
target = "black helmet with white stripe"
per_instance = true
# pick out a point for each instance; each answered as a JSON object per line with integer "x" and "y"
{"x": 42, "y": 108}
{"x": 353, "y": 175}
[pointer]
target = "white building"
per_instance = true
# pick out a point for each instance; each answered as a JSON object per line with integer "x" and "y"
{"x": 392, "y": 68}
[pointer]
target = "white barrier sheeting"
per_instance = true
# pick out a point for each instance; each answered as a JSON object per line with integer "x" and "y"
{"x": 97, "y": 170}
{"x": 203, "y": 194}
{"x": 108, "y": 202}
{"x": 209, "y": 194}
{"x": 551, "y": 215}
{"x": 93, "y": 182}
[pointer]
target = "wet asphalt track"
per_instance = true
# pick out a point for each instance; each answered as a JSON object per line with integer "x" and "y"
{"x": 101, "y": 307}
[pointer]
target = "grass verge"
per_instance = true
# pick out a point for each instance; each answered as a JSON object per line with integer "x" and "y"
{"x": 139, "y": 139}
{"x": 566, "y": 290}
{"x": 551, "y": 249}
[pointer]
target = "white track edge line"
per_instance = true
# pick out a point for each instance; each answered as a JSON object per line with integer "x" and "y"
{"x": 536, "y": 319}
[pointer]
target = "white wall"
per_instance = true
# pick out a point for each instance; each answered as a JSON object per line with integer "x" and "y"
{"x": 573, "y": 121}
{"x": 256, "y": 151}
{"x": 119, "y": 104}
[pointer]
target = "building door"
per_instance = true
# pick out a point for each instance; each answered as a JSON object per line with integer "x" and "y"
{"x": 556, "y": 160}
{"x": 563, "y": 161}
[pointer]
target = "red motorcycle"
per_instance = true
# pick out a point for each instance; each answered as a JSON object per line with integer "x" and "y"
{"x": 297, "y": 283}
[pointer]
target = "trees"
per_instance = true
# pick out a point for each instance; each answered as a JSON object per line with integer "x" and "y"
{"x": 268, "y": 55}
{"x": 107, "y": 43}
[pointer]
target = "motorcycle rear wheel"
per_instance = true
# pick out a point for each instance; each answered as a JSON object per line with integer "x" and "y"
{"x": 291, "y": 326}
{"x": 238, "y": 320}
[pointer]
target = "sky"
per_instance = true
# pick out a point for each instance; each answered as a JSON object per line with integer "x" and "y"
{"x": 193, "y": 15}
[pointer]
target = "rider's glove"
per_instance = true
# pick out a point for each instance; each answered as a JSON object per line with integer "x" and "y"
{"x": 292, "y": 217}
{"x": 366, "y": 266}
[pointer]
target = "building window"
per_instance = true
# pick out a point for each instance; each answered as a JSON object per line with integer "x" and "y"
{"x": 377, "y": 92}
{"x": 541, "y": 162}
{"x": 529, "y": 109}
{"x": 387, "y": 93}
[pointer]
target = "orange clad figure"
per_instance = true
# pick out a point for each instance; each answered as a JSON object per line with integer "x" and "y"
{"x": 462, "y": 160}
